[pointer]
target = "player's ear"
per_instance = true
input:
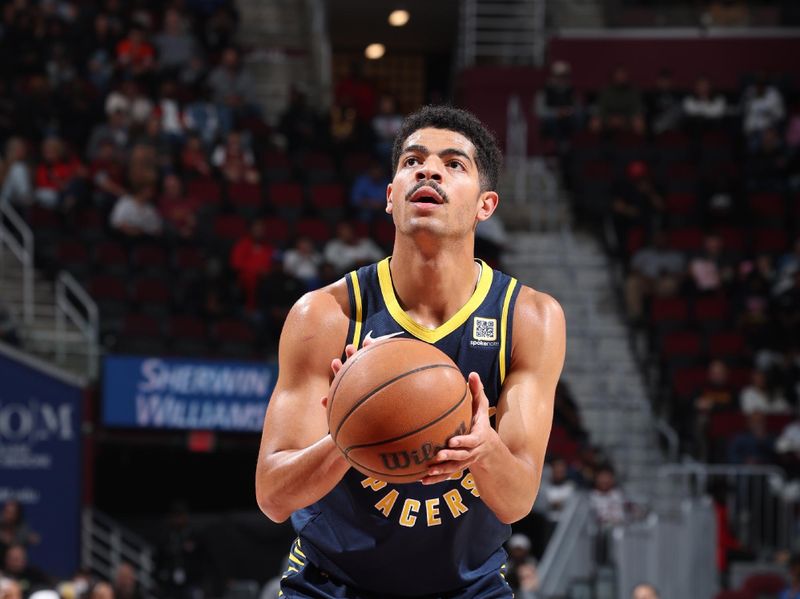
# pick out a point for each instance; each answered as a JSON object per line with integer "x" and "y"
{"x": 389, "y": 199}
{"x": 487, "y": 204}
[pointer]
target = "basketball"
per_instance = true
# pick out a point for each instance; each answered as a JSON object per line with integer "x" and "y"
{"x": 394, "y": 405}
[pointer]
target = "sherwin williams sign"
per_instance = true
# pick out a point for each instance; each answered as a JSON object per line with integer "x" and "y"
{"x": 40, "y": 449}
{"x": 173, "y": 393}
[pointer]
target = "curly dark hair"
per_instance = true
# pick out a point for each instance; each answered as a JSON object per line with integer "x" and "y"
{"x": 487, "y": 153}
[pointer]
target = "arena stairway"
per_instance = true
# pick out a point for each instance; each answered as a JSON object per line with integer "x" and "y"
{"x": 547, "y": 253}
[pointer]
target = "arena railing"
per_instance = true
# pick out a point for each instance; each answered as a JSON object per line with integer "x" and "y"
{"x": 105, "y": 545}
{"x": 73, "y": 304}
{"x": 19, "y": 242}
{"x": 762, "y": 514}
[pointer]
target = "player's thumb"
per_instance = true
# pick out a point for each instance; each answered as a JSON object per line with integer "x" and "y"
{"x": 479, "y": 399}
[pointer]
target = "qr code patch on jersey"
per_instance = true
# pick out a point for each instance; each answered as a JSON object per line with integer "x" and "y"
{"x": 484, "y": 329}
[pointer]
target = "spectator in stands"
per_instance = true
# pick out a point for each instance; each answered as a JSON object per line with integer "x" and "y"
{"x": 179, "y": 565}
{"x": 754, "y": 446}
{"x": 200, "y": 115}
{"x": 107, "y": 174}
{"x": 763, "y": 109}
{"x": 606, "y": 499}
{"x": 619, "y": 106}
{"x": 347, "y": 251}
{"x": 703, "y": 109}
{"x": 760, "y": 396}
{"x": 767, "y": 166}
{"x": 131, "y": 101}
{"x": 154, "y": 136}
{"x": 527, "y": 582}
{"x": 101, "y": 590}
{"x": 10, "y": 588}
{"x": 16, "y": 567}
{"x": 644, "y": 591}
{"x": 114, "y": 130}
{"x": 354, "y": 84}
{"x": 277, "y": 292}
{"x": 519, "y": 553}
{"x": 60, "y": 179}
{"x": 178, "y": 211}
{"x": 232, "y": 89}
{"x": 663, "y": 104}
{"x": 368, "y": 195}
{"x": 636, "y": 201}
{"x": 558, "y": 105}
{"x": 235, "y": 161}
{"x": 656, "y": 270}
{"x": 559, "y": 488}
{"x": 787, "y": 447}
{"x": 793, "y": 590}
{"x": 566, "y": 413}
{"x": 193, "y": 160}
{"x": 134, "y": 214}
{"x": 169, "y": 109}
{"x": 298, "y": 124}
{"x": 251, "y": 259}
{"x": 14, "y": 530}
{"x": 717, "y": 391}
{"x": 125, "y": 584}
{"x": 345, "y": 129}
{"x": 8, "y": 334}
{"x": 711, "y": 270}
{"x": 302, "y": 261}
{"x": 726, "y": 13}
{"x": 15, "y": 174}
{"x": 135, "y": 55}
{"x": 174, "y": 44}
{"x": 385, "y": 125}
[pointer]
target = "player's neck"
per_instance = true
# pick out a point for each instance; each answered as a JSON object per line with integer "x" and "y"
{"x": 432, "y": 287}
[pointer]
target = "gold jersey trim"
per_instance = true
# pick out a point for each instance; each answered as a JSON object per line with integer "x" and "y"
{"x": 504, "y": 328}
{"x": 455, "y": 321}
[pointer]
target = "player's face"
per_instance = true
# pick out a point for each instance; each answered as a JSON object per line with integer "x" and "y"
{"x": 436, "y": 186}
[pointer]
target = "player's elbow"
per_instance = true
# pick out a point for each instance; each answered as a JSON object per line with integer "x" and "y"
{"x": 269, "y": 506}
{"x": 512, "y": 514}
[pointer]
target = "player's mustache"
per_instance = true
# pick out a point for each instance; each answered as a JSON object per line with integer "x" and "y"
{"x": 428, "y": 183}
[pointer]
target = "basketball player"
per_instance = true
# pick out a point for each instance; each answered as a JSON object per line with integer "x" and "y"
{"x": 441, "y": 537}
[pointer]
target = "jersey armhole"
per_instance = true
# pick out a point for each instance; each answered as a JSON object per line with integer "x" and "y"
{"x": 506, "y": 325}
{"x": 356, "y": 310}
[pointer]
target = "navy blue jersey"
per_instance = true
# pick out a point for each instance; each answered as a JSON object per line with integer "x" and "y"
{"x": 416, "y": 539}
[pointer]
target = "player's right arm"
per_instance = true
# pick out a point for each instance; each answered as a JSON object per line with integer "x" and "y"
{"x": 298, "y": 462}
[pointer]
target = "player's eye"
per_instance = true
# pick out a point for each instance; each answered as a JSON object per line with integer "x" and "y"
{"x": 455, "y": 164}
{"x": 410, "y": 161}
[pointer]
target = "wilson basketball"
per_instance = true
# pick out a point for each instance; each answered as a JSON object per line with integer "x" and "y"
{"x": 394, "y": 405}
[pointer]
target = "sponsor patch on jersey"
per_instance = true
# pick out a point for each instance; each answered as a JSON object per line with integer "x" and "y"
{"x": 484, "y": 329}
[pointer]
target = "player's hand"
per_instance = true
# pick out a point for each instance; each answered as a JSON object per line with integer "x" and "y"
{"x": 464, "y": 450}
{"x": 336, "y": 363}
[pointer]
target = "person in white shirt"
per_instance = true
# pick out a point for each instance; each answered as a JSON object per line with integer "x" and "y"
{"x": 303, "y": 262}
{"x": 606, "y": 499}
{"x": 702, "y": 107}
{"x": 346, "y": 251}
{"x": 758, "y": 397}
{"x": 17, "y": 187}
{"x": 763, "y": 109}
{"x": 559, "y": 489}
{"x": 135, "y": 215}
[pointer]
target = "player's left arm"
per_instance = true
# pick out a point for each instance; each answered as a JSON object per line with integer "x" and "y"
{"x": 507, "y": 462}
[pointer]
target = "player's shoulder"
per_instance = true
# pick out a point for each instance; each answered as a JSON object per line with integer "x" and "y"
{"x": 324, "y": 304}
{"x": 538, "y": 310}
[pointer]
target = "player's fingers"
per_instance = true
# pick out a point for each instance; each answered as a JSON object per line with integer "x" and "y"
{"x": 464, "y": 441}
{"x": 479, "y": 399}
{"x": 445, "y": 470}
{"x": 336, "y": 366}
{"x": 324, "y": 401}
{"x": 454, "y": 455}
{"x": 349, "y": 350}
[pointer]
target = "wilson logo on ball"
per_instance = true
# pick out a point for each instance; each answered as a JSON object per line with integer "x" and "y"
{"x": 399, "y": 460}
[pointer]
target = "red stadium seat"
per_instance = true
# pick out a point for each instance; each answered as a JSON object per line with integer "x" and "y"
{"x": 726, "y": 424}
{"x": 383, "y": 233}
{"x": 686, "y": 382}
{"x": 680, "y": 203}
{"x": 229, "y": 227}
{"x": 245, "y": 197}
{"x": 769, "y": 207}
{"x": 687, "y": 240}
{"x": 141, "y": 325}
{"x": 767, "y": 583}
{"x": 188, "y": 258}
{"x": 206, "y": 190}
{"x": 356, "y": 163}
{"x": 110, "y": 257}
{"x": 727, "y": 345}
{"x": 601, "y": 170}
{"x": 683, "y": 171}
{"x": 106, "y": 287}
{"x": 713, "y": 310}
{"x": 329, "y": 199}
{"x": 287, "y": 198}
{"x": 665, "y": 310}
{"x": 314, "y": 228}
{"x": 188, "y": 334}
{"x": 150, "y": 257}
{"x": 681, "y": 345}
{"x": 741, "y": 594}
{"x": 73, "y": 255}
{"x": 770, "y": 241}
{"x": 276, "y": 230}
{"x": 635, "y": 240}
{"x": 732, "y": 238}
{"x": 153, "y": 294}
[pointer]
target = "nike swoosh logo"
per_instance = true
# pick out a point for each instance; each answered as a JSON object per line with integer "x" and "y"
{"x": 369, "y": 337}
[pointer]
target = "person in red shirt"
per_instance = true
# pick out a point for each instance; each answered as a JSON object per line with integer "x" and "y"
{"x": 251, "y": 258}
{"x": 177, "y": 209}
{"x": 134, "y": 53}
{"x": 60, "y": 179}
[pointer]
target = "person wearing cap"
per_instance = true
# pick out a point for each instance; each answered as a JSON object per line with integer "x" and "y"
{"x": 558, "y": 105}
{"x": 521, "y": 566}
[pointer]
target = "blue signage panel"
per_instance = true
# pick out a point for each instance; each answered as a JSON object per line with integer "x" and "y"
{"x": 40, "y": 424}
{"x": 174, "y": 393}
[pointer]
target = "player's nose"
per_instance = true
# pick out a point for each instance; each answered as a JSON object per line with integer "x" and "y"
{"x": 429, "y": 170}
